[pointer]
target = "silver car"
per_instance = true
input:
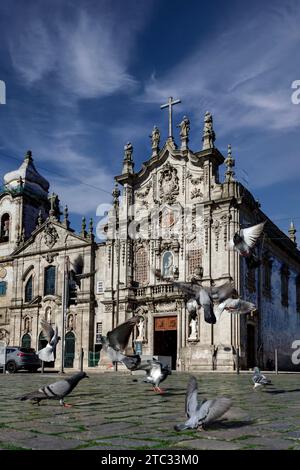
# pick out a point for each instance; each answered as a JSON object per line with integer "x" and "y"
{"x": 18, "y": 358}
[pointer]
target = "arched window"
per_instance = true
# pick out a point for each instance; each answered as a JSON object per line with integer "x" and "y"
{"x": 5, "y": 227}
{"x": 3, "y": 287}
{"x": 26, "y": 341}
{"x": 168, "y": 264}
{"x": 28, "y": 290}
{"x": 141, "y": 266}
{"x": 49, "y": 280}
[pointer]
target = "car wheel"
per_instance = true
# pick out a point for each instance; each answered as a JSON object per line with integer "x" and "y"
{"x": 11, "y": 367}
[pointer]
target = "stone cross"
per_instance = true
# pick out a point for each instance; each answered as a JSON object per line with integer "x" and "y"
{"x": 169, "y": 105}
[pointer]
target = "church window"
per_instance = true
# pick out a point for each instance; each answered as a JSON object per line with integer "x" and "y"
{"x": 28, "y": 290}
{"x": 168, "y": 264}
{"x": 298, "y": 293}
{"x": 3, "y": 287}
{"x": 195, "y": 261}
{"x": 5, "y": 227}
{"x": 250, "y": 280}
{"x": 141, "y": 266}
{"x": 267, "y": 276}
{"x": 285, "y": 285}
{"x": 49, "y": 280}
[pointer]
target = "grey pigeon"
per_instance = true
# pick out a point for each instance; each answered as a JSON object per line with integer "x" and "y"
{"x": 259, "y": 379}
{"x": 116, "y": 341}
{"x": 203, "y": 296}
{"x": 235, "y": 306}
{"x": 47, "y": 354}
{"x": 56, "y": 391}
{"x": 156, "y": 373}
{"x": 245, "y": 241}
{"x": 203, "y": 413}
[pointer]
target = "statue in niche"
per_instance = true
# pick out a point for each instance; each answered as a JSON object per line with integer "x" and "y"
{"x": 194, "y": 327}
{"x": 141, "y": 333}
{"x": 27, "y": 325}
{"x": 70, "y": 324}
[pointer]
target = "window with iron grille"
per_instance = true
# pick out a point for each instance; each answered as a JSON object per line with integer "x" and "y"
{"x": 141, "y": 266}
{"x": 267, "y": 276}
{"x": 195, "y": 260}
{"x": 251, "y": 280}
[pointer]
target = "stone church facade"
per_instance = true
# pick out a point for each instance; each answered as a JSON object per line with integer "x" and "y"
{"x": 175, "y": 215}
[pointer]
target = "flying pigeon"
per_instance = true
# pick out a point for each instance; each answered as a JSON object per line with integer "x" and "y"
{"x": 116, "y": 341}
{"x": 235, "y": 306}
{"x": 205, "y": 412}
{"x": 203, "y": 296}
{"x": 47, "y": 354}
{"x": 156, "y": 373}
{"x": 259, "y": 379}
{"x": 245, "y": 241}
{"x": 56, "y": 391}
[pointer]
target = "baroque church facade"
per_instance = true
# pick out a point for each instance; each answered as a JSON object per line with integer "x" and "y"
{"x": 174, "y": 216}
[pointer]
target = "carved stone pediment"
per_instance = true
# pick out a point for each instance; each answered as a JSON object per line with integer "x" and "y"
{"x": 49, "y": 257}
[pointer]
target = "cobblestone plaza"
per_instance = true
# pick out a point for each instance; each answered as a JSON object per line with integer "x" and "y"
{"x": 113, "y": 411}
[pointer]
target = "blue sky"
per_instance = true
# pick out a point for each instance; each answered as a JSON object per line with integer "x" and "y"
{"x": 85, "y": 77}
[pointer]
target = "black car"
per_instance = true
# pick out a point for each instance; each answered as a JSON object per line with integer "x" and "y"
{"x": 18, "y": 358}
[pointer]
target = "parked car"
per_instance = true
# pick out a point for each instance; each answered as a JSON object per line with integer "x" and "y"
{"x": 18, "y": 358}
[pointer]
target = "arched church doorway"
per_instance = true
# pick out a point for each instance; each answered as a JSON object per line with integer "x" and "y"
{"x": 69, "y": 349}
{"x": 42, "y": 344}
{"x": 251, "y": 359}
{"x": 165, "y": 337}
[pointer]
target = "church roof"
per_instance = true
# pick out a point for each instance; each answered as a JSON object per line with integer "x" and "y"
{"x": 27, "y": 176}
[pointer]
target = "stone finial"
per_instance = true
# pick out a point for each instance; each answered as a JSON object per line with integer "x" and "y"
{"x": 128, "y": 163}
{"x": 66, "y": 221}
{"x": 83, "y": 227}
{"x": 292, "y": 232}
{"x": 230, "y": 164}
{"x": 209, "y": 135}
{"x": 91, "y": 228}
{"x": 116, "y": 194}
{"x": 155, "y": 139}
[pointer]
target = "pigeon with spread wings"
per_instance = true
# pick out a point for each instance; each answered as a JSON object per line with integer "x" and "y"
{"x": 245, "y": 241}
{"x": 156, "y": 373}
{"x": 116, "y": 341}
{"x": 47, "y": 354}
{"x": 203, "y": 413}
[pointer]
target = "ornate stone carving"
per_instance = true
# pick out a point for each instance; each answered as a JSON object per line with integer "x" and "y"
{"x": 216, "y": 226}
{"x": 209, "y": 136}
{"x": 4, "y": 336}
{"x": 49, "y": 257}
{"x": 194, "y": 180}
{"x": 165, "y": 307}
{"x": 50, "y": 235}
{"x": 168, "y": 184}
{"x": 142, "y": 193}
{"x": 206, "y": 224}
{"x": 196, "y": 192}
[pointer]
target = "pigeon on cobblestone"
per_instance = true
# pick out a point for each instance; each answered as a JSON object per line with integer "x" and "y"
{"x": 245, "y": 241}
{"x": 56, "y": 391}
{"x": 235, "y": 306}
{"x": 203, "y": 413}
{"x": 156, "y": 373}
{"x": 116, "y": 341}
{"x": 259, "y": 379}
{"x": 47, "y": 354}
